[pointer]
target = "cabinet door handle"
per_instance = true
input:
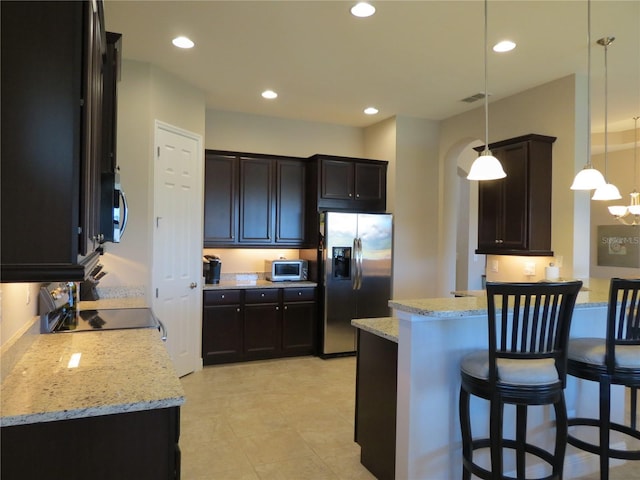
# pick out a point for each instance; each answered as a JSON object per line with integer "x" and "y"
{"x": 262, "y": 294}
{"x": 222, "y": 296}
{"x": 286, "y": 307}
{"x": 238, "y": 309}
{"x": 299, "y": 293}
{"x": 277, "y": 308}
{"x": 350, "y": 195}
{"x": 358, "y": 195}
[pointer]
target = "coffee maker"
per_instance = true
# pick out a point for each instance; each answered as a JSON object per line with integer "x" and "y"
{"x": 211, "y": 266}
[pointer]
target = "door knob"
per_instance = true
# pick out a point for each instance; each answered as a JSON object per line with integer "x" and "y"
{"x": 193, "y": 285}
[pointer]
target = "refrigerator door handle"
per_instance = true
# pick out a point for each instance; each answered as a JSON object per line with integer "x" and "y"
{"x": 359, "y": 261}
{"x": 354, "y": 263}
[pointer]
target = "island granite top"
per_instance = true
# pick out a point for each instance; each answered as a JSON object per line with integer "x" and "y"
{"x": 595, "y": 294}
{"x": 385, "y": 327}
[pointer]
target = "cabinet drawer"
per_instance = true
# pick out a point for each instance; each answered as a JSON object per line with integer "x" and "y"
{"x": 299, "y": 294}
{"x": 222, "y": 297}
{"x": 262, "y": 295}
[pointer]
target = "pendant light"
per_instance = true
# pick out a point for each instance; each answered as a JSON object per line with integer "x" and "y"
{"x": 608, "y": 191}
{"x": 486, "y": 166}
{"x": 622, "y": 212}
{"x": 588, "y": 178}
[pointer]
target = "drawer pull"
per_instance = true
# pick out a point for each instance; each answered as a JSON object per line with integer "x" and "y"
{"x": 299, "y": 293}
{"x": 262, "y": 294}
{"x": 222, "y": 296}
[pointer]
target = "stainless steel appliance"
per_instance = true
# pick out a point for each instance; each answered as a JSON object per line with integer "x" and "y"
{"x": 283, "y": 270}
{"x": 59, "y": 313}
{"x": 356, "y": 273}
{"x": 113, "y": 208}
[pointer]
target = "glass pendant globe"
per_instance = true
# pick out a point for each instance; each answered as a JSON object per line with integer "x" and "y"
{"x": 486, "y": 167}
{"x": 588, "y": 179}
{"x": 607, "y": 192}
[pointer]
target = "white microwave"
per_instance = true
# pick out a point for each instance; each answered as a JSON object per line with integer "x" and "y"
{"x": 286, "y": 270}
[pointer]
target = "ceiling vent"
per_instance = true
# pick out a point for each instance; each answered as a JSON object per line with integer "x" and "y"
{"x": 474, "y": 98}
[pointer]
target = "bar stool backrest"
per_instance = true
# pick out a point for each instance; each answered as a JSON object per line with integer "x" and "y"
{"x": 623, "y": 317}
{"x": 530, "y": 321}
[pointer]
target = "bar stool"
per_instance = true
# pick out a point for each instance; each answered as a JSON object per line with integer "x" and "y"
{"x": 614, "y": 360}
{"x": 524, "y": 365}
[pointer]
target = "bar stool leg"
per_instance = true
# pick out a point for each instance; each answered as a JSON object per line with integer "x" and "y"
{"x": 633, "y": 407}
{"x": 465, "y": 427}
{"x": 562, "y": 430}
{"x": 605, "y": 424}
{"x": 521, "y": 439}
{"x": 495, "y": 429}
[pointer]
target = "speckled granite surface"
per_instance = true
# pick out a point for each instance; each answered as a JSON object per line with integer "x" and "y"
{"x": 119, "y": 371}
{"x": 597, "y": 295}
{"x": 385, "y": 327}
{"x": 114, "y": 302}
{"x": 245, "y": 284}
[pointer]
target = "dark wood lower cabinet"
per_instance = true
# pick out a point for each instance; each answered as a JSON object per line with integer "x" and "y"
{"x": 376, "y": 404}
{"x": 252, "y": 324}
{"x": 136, "y": 445}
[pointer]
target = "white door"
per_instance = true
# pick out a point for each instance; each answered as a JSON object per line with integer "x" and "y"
{"x": 177, "y": 243}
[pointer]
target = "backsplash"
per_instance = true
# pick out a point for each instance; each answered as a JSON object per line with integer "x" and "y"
{"x": 248, "y": 260}
{"x": 511, "y": 268}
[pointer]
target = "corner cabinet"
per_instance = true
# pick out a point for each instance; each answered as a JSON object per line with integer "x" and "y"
{"x": 514, "y": 213}
{"x": 254, "y": 200}
{"x": 52, "y": 88}
{"x": 352, "y": 184}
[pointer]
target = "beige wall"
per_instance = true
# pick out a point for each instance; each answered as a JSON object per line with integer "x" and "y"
{"x": 18, "y": 305}
{"x": 547, "y": 110}
{"x": 620, "y": 172}
{"x": 145, "y": 94}
{"x": 278, "y": 136}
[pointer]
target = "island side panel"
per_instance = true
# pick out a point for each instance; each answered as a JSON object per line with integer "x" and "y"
{"x": 376, "y": 381}
{"x": 428, "y": 428}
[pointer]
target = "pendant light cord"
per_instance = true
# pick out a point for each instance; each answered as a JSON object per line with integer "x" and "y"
{"x": 606, "y": 108}
{"x": 486, "y": 82}
{"x": 635, "y": 151}
{"x": 589, "y": 165}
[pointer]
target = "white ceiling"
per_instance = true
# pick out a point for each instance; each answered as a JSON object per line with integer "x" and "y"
{"x": 412, "y": 58}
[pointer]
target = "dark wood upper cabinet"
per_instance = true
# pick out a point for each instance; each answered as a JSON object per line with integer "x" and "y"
{"x": 351, "y": 184}
{"x": 291, "y": 178}
{"x": 514, "y": 213}
{"x": 52, "y": 54}
{"x": 254, "y": 200}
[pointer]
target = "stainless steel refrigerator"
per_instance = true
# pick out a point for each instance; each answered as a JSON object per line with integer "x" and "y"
{"x": 356, "y": 273}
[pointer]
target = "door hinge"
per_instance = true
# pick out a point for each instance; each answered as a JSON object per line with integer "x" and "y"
{"x": 158, "y": 151}
{"x": 156, "y": 293}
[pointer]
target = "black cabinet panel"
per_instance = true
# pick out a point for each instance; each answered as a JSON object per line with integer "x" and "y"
{"x": 514, "y": 213}
{"x": 51, "y": 89}
{"x": 258, "y": 323}
{"x": 141, "y": 445}
{"x": 256, "y": 200}
{"x": 351, "y": 184}
{"x": 220, "y": 199}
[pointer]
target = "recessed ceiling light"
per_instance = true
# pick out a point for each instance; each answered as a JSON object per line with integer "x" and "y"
{"x": 363, "y": 9}
{"x": 270, "y": 94}
{"x": 182, "y": 42}
{"x": 504, "y": 46}
{"x": 371, "y": 110}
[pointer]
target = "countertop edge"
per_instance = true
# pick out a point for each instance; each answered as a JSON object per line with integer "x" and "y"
{"x": 385, "y": 327}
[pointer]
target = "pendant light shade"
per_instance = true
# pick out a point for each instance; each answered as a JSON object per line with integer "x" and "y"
{"x": 486, "y": 166}
{"x": 630, "y": 214}
{"x": 588, "y": 178}
{"x": 608, "y": 191}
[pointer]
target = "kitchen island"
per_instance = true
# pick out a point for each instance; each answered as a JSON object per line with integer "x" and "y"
{"x": 432, "y": 336}
{"x": 96, "y": 404}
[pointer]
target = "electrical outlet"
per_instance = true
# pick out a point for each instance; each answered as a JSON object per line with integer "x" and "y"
{"x": 559, "y": 261}
{"x": 494, "y": 266}
{"x": 529, "y": 268}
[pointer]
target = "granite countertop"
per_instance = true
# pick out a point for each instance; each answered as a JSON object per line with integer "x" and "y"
{"x": 247, "y": 284}
{"x": 595, "y": 294}
{"x": 385, "y": 327}
{"x": 119, "y": 371}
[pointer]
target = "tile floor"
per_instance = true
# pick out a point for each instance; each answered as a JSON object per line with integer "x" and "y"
{"x": 286, "y": 419}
